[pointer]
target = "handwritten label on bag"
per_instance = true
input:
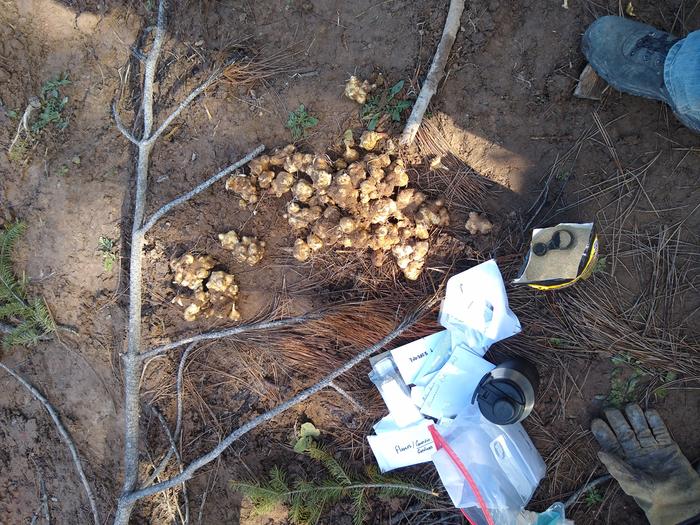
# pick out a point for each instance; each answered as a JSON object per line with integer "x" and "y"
{"x": 403, "y": 446}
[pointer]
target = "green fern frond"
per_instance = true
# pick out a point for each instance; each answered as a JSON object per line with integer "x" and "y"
{"x": 9, "y": 236}
{"x": 305, "y": 503}
{"x": 43, "y": 316}
{"x": 32, "y": 316}
{"x": 12, "y": 310}
{"x": 298, "y": 513}
{"x": 10, "y": 288}
{"x": 278, "y": 480}
{"x": 334, "y": 468}
{"x": 23, "y": 335}
{"x": 359, "y": 507}
{"x": 334, "y": 491}
{"x": 263, "y": 498}
{"x": 308, "y": 500}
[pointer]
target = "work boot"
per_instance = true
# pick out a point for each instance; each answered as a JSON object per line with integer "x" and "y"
{"x": 629, "y": 55}
{"x": 640, "y": 454}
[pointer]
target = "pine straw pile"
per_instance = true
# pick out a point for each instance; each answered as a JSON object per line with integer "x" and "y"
{"x": 649, "y": 322}
{"x": 644, "y": 320}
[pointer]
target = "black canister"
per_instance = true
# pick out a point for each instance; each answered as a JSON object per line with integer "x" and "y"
{"x": 506, "y": 395}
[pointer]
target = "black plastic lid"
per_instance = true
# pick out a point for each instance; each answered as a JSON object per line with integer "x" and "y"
{"x": 500, "y": 401}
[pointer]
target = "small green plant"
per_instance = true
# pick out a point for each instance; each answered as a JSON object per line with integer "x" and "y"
{"x": 19, "y": 150}
{"x": 107, "y": 248}
{"x": 299, "y": 121}
{"x": 307, "y": 500}
{"x": 624, "y": 387}
{"x": 662, "y": 391}
{"x": 53, "y": 102}
{"x": 29, "y": 318}
{"x": 601, "y": 265}
{"x": 593, "y": 497}
{"x": 384, "y": 103}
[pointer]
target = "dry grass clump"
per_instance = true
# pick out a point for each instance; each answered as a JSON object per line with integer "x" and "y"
{"x": 638, "y": 322}
{"x": 447, "y": 171}
{"x": 250, "y": 68}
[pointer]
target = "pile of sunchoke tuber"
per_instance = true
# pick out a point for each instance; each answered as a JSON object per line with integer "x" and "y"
{"x": 360, "y": 200}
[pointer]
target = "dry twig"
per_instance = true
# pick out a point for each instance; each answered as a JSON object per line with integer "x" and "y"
{"x": 65, "y": 436}
{"x": 435, "y": 73}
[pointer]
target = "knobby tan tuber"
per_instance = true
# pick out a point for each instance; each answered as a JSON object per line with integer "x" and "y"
{"x": 360, "y": 200}
{"x": 245, "y": 249}
{"x": 214, "y": 293}
{"x": 478, "y": 224}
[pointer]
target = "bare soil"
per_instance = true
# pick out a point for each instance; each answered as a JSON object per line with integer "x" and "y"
{"x": 506, "y": 107}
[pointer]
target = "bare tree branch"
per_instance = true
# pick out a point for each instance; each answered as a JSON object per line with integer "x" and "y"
{"x": 134, "y": 357}
{"x": 236, "y": 330}
{"x": 183, "y": 105}
{"x": 173, "y": 448}
{"x": 178, "y": 419}
{"x": 150, "y": 71}
{"x": 192, "y": 468}
{"x": 132, "y": 363}
{"x": 24, "y": 121}
{"x": 203, "y": 186}
{"x": 344, "y": 393}
{"x": 122, "y": 128}
{"x": 65, "y": 436}
{"x": 435, "y": 73}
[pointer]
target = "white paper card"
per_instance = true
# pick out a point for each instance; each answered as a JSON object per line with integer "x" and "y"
{"x": 409, "y": 358}
{"x": 401, "y": 448}
{"x": 452, "y": 389}
{"x": 475, "y": 309}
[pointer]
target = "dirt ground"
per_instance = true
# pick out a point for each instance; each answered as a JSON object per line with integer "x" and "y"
{"x": 507, "y": 110}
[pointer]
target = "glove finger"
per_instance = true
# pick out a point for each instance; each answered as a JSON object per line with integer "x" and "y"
{"x": 658, "y": 427}
{"x": 622, "y": 430}
{"x": 636, "y": 417}
{"x": 631, "y": 481}
{"x": 605, "y": 437}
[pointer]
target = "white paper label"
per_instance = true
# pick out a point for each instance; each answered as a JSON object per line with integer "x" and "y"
{"x": 409, "y": 358}
{"x": 403, "y": 447}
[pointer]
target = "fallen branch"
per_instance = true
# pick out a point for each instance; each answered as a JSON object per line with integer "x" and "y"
{"x": 128, "y": 500}
{"x": 344, "y": 393}
{"x": 34, "y": 104}
{"x": 199, "y": 189}
{"x": 173, "y": 449}
{"x": 43, "y": 498}
{"x": 65, "y": 436}
{"x": 131, "y": 361}
{"x": 435, "y": 73}
{"x": 588, "y": 486}
{"x": 229, "y": 332}
{"x": 134, "y": 358}
{"x": 178, "y": 418}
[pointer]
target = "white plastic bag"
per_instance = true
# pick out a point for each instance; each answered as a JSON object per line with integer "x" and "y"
{"x": 489, "y": 471}
{"x": 475, "y": 309}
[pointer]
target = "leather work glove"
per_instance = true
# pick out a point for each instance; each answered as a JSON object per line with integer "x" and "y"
{"x": 641, "y": 455}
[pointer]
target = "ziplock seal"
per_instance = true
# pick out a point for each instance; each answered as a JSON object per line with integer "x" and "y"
{"x": 441, "y": 443}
